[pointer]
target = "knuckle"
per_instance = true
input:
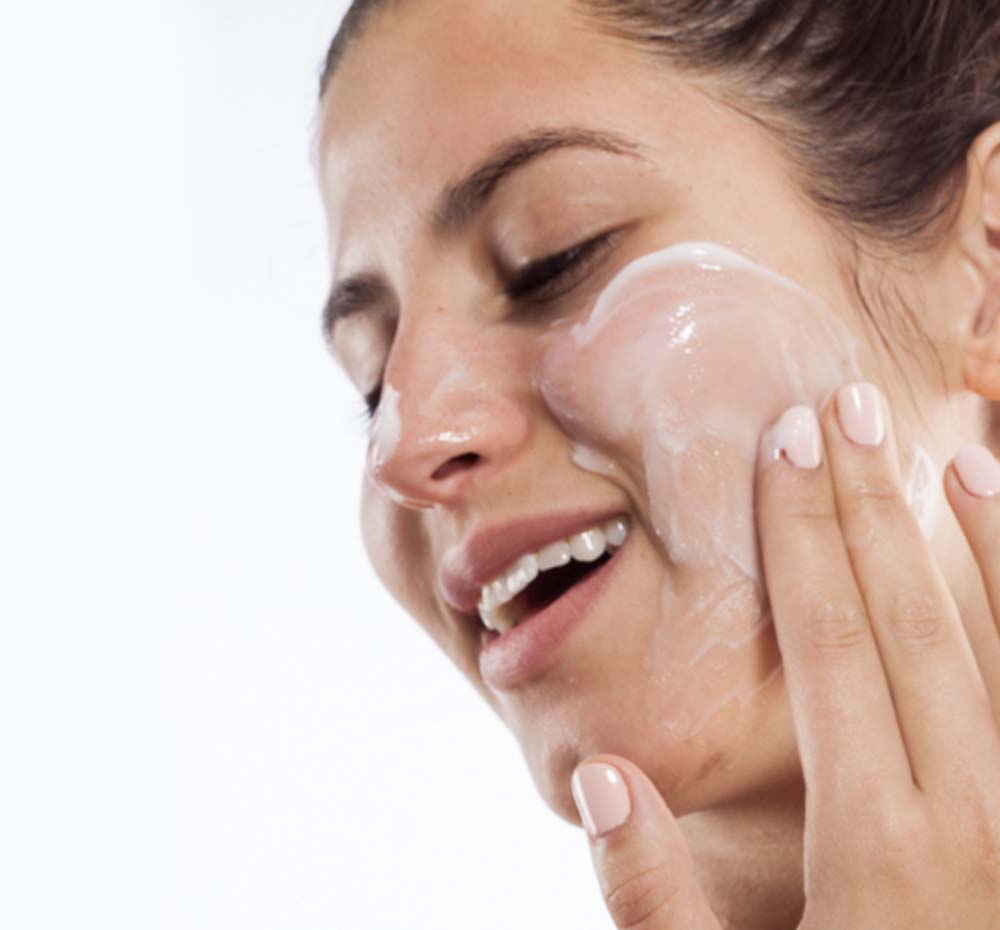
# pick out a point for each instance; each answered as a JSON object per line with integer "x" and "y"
{"x": 640, "y": 900}
{"x": 876, "y": 491}
{"x": 810, "y": 511}
{"x": 898, "y": 848}
{"x": 836, "y": 625}
{"x": 873, "y": 502}
{"x": 916, "y": 617}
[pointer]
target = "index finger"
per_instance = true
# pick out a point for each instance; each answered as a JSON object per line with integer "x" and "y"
{"x": 848, "y": 733}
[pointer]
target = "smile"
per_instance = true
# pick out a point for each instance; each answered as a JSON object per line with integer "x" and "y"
{"x": 538, "y": 579}
{"x": 547, "y": 612}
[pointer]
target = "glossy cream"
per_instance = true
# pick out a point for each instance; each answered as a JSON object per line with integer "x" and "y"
{"x": 666, "y": 386}
{"x": 685, "y": 359}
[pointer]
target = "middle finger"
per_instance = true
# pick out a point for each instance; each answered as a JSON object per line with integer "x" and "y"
{"x": 941, "y": 702}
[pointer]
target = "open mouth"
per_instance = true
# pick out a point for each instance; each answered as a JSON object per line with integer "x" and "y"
{"x": 537, "y": 580}
{"x": 548, "y": 588}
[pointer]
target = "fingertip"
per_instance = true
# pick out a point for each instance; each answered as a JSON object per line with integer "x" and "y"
{"x": 976, "y": 471}
{"x": 795, "y": 436}
{"x": 973, "y": 505}
{"x": 602, "y": 797}
{"x": 642, "y": 860}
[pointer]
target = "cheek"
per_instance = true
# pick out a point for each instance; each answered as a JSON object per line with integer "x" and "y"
{"x": 376, "y": 531}
{"x": 685, "y": 359}
{"x": 395, "y": 546}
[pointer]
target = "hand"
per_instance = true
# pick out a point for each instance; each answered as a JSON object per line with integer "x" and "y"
{"x": 896, "y": 730}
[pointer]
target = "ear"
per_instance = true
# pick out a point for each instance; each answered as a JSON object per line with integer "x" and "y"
{"x": 981, "y": 250}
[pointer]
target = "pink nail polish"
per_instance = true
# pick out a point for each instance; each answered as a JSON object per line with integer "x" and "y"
{"x": 601, "y": 797}
{"x": 797, "y": 434}
{"x": 861, "y": 412}
{"x": 978, "y": 470}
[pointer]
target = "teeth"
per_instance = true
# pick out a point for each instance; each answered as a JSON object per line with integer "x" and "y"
{"x": 522, "y": 574}
{"x": 587, "y": 546}
{"x": 489, "y": 599}
{"x": 554, "y": 556}
{"x": 494, "y": 620}
{"x": 616, "y": 531}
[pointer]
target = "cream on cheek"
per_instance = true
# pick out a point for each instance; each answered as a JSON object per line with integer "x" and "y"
{"x": 684, "y": 360}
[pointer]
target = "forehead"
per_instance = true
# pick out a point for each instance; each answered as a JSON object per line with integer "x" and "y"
{"x": 415, "y": 56}
{"x": 428, "y": 85}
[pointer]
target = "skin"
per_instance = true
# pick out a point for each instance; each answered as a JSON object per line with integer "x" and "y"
{"x": 387, "y": 148}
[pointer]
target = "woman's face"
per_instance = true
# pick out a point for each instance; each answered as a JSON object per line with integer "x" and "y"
{"x": 459, "y": 145}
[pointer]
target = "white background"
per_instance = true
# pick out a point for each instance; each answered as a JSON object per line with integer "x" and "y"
{"x": 212, "y": 717}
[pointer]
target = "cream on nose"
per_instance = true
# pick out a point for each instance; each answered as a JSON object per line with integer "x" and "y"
{"x": 427, "y": 449}
{"x": 386, "y": 429}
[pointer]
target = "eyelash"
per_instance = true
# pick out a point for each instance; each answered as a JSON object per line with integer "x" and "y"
{"x": 372, "y": 399}
{"x": 551, "y": 277}
{"x": 540, "y": 282}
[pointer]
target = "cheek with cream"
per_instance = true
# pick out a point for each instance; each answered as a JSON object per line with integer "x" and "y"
{"x": 684, "y": 360}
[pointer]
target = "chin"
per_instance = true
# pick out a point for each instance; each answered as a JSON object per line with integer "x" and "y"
{"x": 744, "y": 752}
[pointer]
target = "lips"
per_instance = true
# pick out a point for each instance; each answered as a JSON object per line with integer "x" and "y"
{"x": 485, "y": 554}
{"x": 510, "y": 660}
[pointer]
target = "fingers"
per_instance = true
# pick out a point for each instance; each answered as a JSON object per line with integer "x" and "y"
{"x": 845, "y": 723}
{"x": 642, "y": 862}
{"x": 941, "y": 702}
{"x": 879, "y": 669}
{"x": 972, "y": 484}
{"x": 969, "y": 484}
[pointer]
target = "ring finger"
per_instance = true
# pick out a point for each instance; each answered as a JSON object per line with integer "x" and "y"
{"x": 941, "y": 702}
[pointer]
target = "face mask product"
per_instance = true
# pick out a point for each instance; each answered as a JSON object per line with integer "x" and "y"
{"x": 684, "y": 360}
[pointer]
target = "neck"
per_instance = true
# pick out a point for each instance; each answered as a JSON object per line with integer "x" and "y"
{"x": 749, "y": 860}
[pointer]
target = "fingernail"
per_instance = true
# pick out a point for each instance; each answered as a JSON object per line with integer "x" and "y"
{"x": 797, "y": 435}
{"x": 978, "y": 470}
{"x": 861, "y": 414}
{"x": 601, "y": 797}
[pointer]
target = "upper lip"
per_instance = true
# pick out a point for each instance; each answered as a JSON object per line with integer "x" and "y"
{"x": 468, "y": 566}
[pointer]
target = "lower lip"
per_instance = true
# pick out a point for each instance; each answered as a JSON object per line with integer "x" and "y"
{"x": 508, "y": 660}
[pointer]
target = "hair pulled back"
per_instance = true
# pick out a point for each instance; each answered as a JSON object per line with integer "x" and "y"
{"x": 877, "y": 101}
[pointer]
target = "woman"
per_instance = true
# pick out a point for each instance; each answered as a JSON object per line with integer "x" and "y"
{"x": 585, "y": 256}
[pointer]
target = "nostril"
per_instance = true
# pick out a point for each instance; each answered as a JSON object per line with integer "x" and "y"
{"x": 455, "y": 465}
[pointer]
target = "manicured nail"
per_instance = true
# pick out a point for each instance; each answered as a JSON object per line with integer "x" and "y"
{"x": 797, "y": 435}
{"x": 601, "y": 797}
{"x": 862, "y": 414}
{"x": 978, "y": 470}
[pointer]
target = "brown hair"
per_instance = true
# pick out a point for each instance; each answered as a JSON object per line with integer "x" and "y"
{"x": 878, "y": 101}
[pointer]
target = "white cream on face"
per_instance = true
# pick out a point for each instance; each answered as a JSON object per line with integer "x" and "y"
{"x": 386, "y": 430}
{"x": 453, "y": 426}
{"x": 687, "y": 356}
{"x": 923, "y": 491}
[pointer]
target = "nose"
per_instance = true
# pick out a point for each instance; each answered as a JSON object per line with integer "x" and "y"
{"x": 444, "y": 432}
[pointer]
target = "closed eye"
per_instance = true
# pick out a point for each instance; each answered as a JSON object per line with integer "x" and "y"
{"x": 540, "y": 281}
{"x": 551, "y": 277}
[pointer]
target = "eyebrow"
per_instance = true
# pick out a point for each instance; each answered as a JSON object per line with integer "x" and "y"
{"x": 461, "y": 202}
